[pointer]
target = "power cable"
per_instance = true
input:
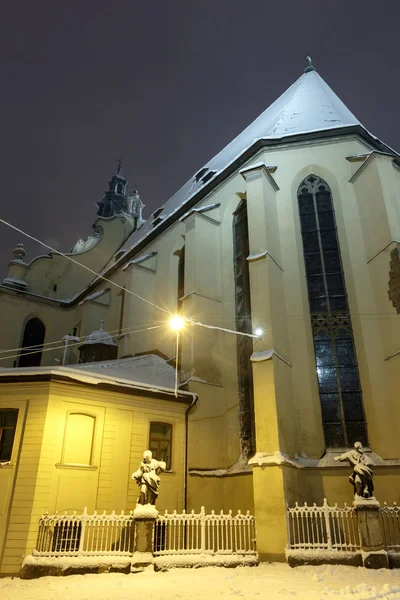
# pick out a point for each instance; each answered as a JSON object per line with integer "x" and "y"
{"x": 120, "y": 332}
{"x": 74, "y": 344}
{"x": 31, "y": 237}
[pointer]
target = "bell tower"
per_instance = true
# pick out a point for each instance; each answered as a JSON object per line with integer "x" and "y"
{"x": 115, "y": 200}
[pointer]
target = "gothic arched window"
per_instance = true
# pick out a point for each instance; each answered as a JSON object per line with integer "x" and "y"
{"x": 243, "y": 324}
{"x": 32, "y": 343}
{"x": 335, "y": 356}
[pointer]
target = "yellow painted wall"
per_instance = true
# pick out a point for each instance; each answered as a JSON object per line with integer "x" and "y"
{"x": 44, "y": 479}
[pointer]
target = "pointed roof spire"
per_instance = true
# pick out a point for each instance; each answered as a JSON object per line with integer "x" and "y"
{"x": 309, "y": 65}
{"x": 119, "y": 162}
{"x": 309, "y": 105}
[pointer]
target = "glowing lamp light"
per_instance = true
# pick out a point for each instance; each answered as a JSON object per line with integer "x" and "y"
{"x": 177, "y": 323}
{"x": 258, "y": 332}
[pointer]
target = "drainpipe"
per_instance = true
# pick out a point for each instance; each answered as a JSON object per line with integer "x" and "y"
{"x": 193, "y": 403}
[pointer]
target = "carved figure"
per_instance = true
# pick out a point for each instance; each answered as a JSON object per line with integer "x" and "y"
{"x": 362, "y": 476}
{"x": 147, "y": 478}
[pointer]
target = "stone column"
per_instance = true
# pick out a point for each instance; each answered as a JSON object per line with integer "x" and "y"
{"x": 145, "y": 516}
{"x": 373, "y": 554}
{"x": 274, "y": 422}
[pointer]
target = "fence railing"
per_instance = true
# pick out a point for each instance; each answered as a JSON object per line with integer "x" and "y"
{"x": 199, "y": 533}
{"x": 323, "y": 528}
{"x": 174, "y": 533}
{"x": 390, "y": 520}
{"x": 85, "y": 535}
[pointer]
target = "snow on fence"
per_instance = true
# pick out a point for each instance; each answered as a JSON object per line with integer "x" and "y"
{"x": 390, "y": 520}
{"x": 322, "y": 528}
{"x": 85, "y": 535}
{"x": 198, "y": 533}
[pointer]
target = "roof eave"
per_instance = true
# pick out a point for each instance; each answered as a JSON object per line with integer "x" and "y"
{"x": 40, "y": 374}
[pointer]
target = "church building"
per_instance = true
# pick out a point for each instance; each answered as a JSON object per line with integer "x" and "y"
{"x": 282, "y": 256}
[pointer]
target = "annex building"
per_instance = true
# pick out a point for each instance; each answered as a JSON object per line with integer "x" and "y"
{"x": 293, "y": 229}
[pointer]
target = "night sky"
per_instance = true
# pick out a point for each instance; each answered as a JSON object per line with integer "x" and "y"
{"x": 166, "y": 85}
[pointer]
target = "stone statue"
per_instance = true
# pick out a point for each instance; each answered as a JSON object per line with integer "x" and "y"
{"x": 147, "y": 478}
{"x": 362, "y": 476}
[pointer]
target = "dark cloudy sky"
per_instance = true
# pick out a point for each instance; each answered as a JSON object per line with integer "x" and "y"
{"x": 166, "y": 84}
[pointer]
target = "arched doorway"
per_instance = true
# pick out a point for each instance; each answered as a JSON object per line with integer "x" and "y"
{"x": 32, "y": 343}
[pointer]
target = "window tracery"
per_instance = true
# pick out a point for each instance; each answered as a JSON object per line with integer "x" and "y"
{"x": 335, "y": 356}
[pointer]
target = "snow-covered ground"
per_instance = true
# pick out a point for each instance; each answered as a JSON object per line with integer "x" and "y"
{"x": 270, "y": 581}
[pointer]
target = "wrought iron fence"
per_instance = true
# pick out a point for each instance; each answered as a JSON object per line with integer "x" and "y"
{"x": 390, "y": 520}
{"x": 85, "y": 535}
{"x": 322, "y": 528}
{"x": 199, "y": 533}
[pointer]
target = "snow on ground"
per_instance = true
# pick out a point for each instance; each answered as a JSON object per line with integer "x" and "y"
{"x": 275, "y": 581}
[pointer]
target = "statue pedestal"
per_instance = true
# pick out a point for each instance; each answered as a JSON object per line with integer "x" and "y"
{"x": 373, "y": 554}
{"x": 144, "y": 515}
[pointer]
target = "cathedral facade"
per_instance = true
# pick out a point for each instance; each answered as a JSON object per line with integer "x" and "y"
{"x": 281, "y": 254}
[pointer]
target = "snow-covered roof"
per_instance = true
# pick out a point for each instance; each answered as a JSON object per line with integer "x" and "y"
{"x": 149, "y": 368}
{"x": 308, "y": 106}
{"x": 147, "y": 373}
{"x": 99, "y": 336}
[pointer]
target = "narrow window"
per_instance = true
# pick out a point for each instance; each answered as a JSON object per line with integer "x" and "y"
{"x": 32, "y": 343}
{"x": 78, "y": 440}
{"x": 243, "y": 324}
{"x": 160, "y": 442}
{"x": 8, "y": 424}
{"x": 181, "y": 293}
{"x": 335, "y": 356}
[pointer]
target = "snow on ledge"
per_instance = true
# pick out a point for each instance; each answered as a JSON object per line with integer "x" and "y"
{"x": 145, "y": 511}
{"x": 371, "y": 502}
{"x": 266, "y": 459}
{"x": 320, "y": 554}
{"x": 267, "y": 355}
{"x": 240, "y": 466}
{"x": 65, "y": 562}
{"x": 162, "y": 563}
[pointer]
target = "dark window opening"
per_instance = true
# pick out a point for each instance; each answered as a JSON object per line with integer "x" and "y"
{"x": 55, "y": 287}
{"x": 208, "y": 176}
{"x": 32, "y": 343}
{"x": 243, "y": 324}
{"x": 160, "y": 442}
{"x": 335, "y": 356}
{"x": 200, "y": 173}
{"x": 181, "y": 293}
{"x": 119, "y": 188}
{"x": 8, "y": 425}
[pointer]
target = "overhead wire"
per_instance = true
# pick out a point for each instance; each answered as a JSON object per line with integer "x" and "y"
{"x": 31, "y": 237}
{"x": 127, "y": 290}
{"x": 74, "y": 344}
{"x": 120, "y": 332}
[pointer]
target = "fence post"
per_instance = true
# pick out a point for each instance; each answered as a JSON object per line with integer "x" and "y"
{"x": 325, "y": 509}
{"x": 371, "y": 533}
{"x": 202, "y": 529}
{"x": 83, "y": 527}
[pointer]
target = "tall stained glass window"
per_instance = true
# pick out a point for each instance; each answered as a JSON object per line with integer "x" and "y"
{"x": 243, "y": 323}
{"x": 335, "y": 356}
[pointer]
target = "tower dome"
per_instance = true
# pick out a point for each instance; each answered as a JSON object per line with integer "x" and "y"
{"x": 99, "y": 345}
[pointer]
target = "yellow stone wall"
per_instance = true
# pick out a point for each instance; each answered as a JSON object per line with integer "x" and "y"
{"x": 41, "y": 480}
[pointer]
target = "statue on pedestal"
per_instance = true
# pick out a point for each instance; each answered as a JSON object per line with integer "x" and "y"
{"x": 362, "y": 476}
{"x": 147, "y": 478}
